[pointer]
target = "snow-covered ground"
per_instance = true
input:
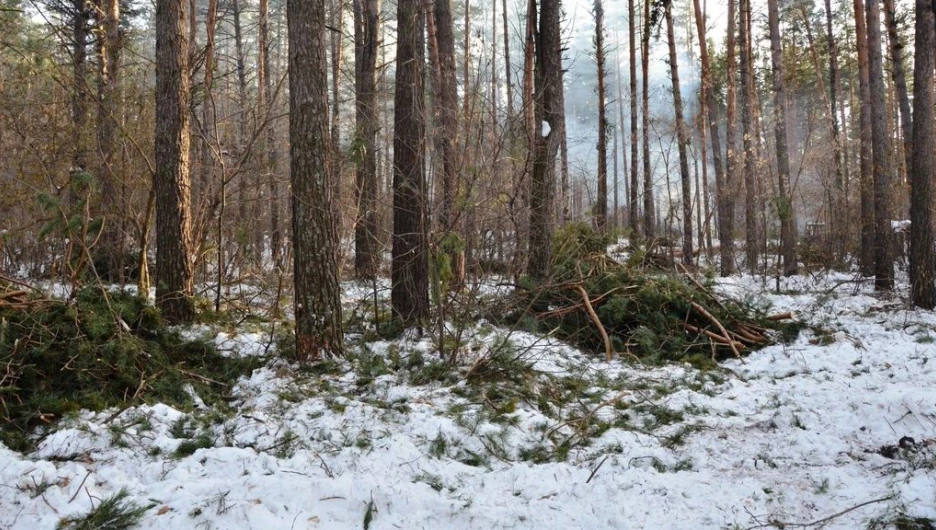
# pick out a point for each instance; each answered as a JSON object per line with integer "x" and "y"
{"x": 792, "y": 435}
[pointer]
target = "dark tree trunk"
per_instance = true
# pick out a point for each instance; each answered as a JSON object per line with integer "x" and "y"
{"x": 548, "y": 107}
{"x": 601, "y": 205}
{"x": 866, "y": 258}
{"x": 645, "y": 104}
{"x": 880, "y": 146}
{"x": 108, "y": 120}
{"x": 839, "y": 222}
{"x": 634, "y": 143}
{"x": 447, "y": 101}
{"x": 923, "y": 170}
{"x": 682, "y": 138}
{"x": 336, "y": 34}
{"x": 896, "y": 47}
{"x": 726, "y": 193}
{"x": 314, "y": 234}
{"x": 410, "y": 291}
{"x": 173, "y": 215}
{"x": 245, "y": 219}
{"x": 710, "y": 114}
{"x": 265, "y": 104}
{"x": 748, "y": 135}
{"x": 784, "y": 200}
{"x": 366, "y": 39}
{"x": 81, "y": 15}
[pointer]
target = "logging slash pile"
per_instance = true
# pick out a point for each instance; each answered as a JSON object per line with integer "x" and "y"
{"x": 95, "y": 350}
{"x": 639, "y": 309}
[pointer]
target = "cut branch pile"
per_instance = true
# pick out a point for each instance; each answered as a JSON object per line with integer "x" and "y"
{"x": 600, "y": 304}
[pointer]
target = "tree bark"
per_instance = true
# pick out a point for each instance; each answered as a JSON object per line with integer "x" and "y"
{"x": 108, "y": 119}
{"x": 173, "y": 216}
{"x": 410, "y": 291}
{"x": 726, "y": 194}
{"x": 748, "y": 135}
{"x": 866, "y": 258}
{"x": 366, "y": 245}
{"x": 880, "y": 144}
{"x": 923, "y": 169}
{"x": 784, "y": 201}
{"x": 840, "y": 223}
{"x": 314, "y": 234}
{"x": 682, "y": 138}
{"x": 896, "y": 47}
{"x": 548, "y": 109}
{"x": 265, "y": 104}
{"x": 601, "y": 204}
{"x": 634, "y": 143}
{"x": 648, "y": 222}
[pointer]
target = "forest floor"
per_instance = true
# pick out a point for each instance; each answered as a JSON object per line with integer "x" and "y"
{"x": 834, "y": 430}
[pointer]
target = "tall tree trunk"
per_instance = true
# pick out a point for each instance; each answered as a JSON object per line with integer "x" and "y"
{"x": 548, "y": 107}
{"x": 880, "y": 146}
{"x": 784, "y": 200}
{"x": 173, "y": 216}
{"x": 265, "y": 105}
{"x": 866, "y": 259}
{"x": 508, "y": 75}
{"x": 248, "y": 253}
{"x": 601, "y": 205}
{"x": 618, "y": 222}
{"x": 726, "y": 194}
{"x": 840, "y": 226}
{"x": 682, "y": 138}
{"x": 709, "y": 115}
{"x": 108, "y": 119}
{"x": 923, "y": 169}
{"x": 645, "y": 109}
{"x": 748, "y": 135}
{"x": 366, "y": 245}
{"x": 447, "y": 101}
{"x": 337, "y": 32}
{"x": 410, "y": 291}
{"x": 632, "y": 67}
{"x": 314, "y": 234}
{"x": 900, "y": 81}
{"x": 79, "y": 98}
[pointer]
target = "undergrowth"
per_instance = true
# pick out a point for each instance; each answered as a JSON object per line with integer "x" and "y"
{"x": 99, "y": 350}
{"x": 114, "y": 513}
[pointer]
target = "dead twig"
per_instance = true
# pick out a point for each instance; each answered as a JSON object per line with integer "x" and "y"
{"x": 720, "y": 327}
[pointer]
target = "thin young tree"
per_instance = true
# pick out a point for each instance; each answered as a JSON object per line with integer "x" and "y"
{"x": 173, "y": 210}
{"x": 840, "y": 226}
{"x": 314, "y": 234}
{"x": 601, "y": 204}
{"x": 108, "y": 120}
{"x": 682, "y": 137}
{"x": 409, "y": 269}
{"x": 784, "y": 201}
{"x": 632, "y": 68}
{"x": 880, "y": 147}
{"x": 923, "y": 169}
{"x": 366, "y": 245}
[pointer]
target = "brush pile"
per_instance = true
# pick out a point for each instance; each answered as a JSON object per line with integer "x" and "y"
{"x": 642, "y": 311}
